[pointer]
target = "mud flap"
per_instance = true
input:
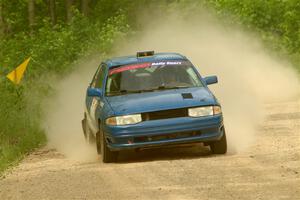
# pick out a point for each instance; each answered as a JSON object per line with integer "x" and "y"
{"x": 83, "y": 127}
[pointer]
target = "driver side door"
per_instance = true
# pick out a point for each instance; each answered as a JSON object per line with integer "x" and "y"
{"x": 92, "y": 103}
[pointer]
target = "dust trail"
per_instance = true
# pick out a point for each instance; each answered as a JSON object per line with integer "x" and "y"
{"x": 248, "y": 77}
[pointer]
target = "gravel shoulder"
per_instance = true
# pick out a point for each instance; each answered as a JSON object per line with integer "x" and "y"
{"x": 269, "y": 169}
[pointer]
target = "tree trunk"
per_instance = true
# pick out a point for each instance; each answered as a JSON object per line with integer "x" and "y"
{"x": 85, "y": 7}
{"x": 31, "y": 15}
{"x": 52, "y": 8}
{"x": 69, "y": 4}
{"x": 1, "y": 21}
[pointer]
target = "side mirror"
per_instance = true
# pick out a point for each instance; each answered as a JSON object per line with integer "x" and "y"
{"x": 211, "y": 80}
{"x": 94, "y": 92}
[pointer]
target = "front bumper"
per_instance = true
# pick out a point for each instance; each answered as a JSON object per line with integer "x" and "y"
{"x": 149, "y": 134}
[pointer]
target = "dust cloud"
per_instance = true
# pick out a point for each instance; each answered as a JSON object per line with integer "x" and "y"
{"x": 64, "y": 113}
{"x": 248, "y": 76}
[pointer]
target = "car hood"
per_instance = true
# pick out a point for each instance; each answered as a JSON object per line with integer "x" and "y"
{"x": 160, "y": 100}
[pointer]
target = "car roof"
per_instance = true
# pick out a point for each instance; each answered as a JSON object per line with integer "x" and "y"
{"x": 125, "y": 60}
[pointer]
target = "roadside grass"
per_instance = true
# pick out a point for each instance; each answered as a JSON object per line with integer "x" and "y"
{"x": 12, "y": 153}
{"x": 20, "y": 130}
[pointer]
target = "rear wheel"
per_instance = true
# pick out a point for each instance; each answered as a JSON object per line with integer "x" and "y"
{"x": 108, "y": 156}
{"x": 219, "y": 147}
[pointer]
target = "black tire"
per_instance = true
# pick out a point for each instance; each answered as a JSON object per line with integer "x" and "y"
{"x": 89, "y": 137}
{"x": 108, "y": 156}
{"x": 219, "y": 147}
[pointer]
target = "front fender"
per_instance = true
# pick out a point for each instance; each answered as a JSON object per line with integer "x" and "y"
{"x": 103, "y": 111}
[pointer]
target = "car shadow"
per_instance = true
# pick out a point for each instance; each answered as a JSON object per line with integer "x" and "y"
{"x": 173, "y": 153}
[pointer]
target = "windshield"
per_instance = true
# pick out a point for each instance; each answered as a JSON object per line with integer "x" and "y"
{"x": 147, "y": 77}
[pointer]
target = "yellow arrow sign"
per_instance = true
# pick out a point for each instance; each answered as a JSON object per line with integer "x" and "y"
{"x": 17, "y": 74}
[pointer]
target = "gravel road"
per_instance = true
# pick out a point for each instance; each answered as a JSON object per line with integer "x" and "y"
{"x": 269, "y": 169}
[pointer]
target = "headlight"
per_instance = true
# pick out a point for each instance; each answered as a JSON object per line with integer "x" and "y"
{"x": 204, "y": 111}
{"x": 124, "y": 120}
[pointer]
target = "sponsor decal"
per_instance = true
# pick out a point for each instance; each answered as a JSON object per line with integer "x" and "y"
{"x": 93, "y": 108}
{"x": 166, "y": 63}
{"x": 158, "y": 63}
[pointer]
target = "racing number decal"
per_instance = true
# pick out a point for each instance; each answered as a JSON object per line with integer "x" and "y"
{"x": 93, "y": 108}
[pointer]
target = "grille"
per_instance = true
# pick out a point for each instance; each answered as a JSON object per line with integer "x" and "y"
{"x": 167, "y": 136}
{"x": 165, "y": 114}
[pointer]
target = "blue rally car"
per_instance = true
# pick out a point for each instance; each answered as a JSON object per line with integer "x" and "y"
{"x": 151, "y": 100}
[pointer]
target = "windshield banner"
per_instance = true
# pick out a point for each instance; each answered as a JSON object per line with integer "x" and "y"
{"x": 129, "y": 67}
{"x": 143, "y": 65}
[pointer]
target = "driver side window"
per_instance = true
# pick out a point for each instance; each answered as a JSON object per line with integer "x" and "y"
{"x": 99, "y": 77}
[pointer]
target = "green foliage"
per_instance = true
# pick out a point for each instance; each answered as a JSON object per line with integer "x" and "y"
{"x": 277, "y": 22}
{"x": 53, "y": 51}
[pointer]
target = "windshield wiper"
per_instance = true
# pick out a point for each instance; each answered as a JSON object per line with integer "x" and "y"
{"x": 162, "y": 87}
{"x": 122, "y": 92}
{"x": 130, "y": 91}
{"x": 166, "y": 87}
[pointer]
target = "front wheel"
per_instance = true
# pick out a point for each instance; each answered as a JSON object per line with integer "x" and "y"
{"x": 219, "y": 147}
{"x": 108, "y": 156}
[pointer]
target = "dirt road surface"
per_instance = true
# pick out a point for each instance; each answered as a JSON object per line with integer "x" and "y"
{"x": 269, "y": 169}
